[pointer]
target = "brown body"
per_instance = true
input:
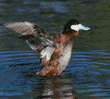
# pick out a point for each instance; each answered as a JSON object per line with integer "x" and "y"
{"x": 57, "y": 64}
{"x": 54, "y": 52}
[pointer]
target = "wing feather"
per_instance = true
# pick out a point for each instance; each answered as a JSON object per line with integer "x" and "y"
{"x": 36, "y": 37}
{"x": 21, "y": 27}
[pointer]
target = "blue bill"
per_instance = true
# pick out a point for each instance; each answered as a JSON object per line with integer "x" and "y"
{"x": 84, "y": 28}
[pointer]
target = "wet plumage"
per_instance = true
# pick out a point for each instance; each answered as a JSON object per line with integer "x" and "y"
{"x": 54, "y": 52}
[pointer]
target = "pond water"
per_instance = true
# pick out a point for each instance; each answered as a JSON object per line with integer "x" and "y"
{"x": 87, "y": 74}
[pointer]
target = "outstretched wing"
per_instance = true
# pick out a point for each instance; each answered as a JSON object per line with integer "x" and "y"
{"x": 35, "y": 36}
{"x": 21, "y": 27}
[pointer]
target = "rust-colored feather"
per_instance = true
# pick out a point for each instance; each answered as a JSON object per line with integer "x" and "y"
{"x": 54, "y": 52}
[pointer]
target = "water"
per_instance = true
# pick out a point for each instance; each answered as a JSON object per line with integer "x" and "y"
{"x": 87, "y": 74}
{"x": 83, "y": 76}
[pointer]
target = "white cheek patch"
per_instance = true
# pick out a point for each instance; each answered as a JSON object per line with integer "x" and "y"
{"x": 76, "y": 27}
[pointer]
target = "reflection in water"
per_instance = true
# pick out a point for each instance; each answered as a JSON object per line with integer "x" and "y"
{"x": 88, "y": 78}
{"x": 17, "y": 78}
{"x": 55, "y": 87}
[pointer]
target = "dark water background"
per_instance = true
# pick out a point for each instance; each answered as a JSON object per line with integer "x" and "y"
{"x": 88, "y": 73}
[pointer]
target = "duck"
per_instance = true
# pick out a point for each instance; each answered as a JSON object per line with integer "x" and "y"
{"x": 54, "y": 52}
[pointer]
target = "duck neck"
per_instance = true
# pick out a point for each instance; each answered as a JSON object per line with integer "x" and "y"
{"x": 69, "y": 35}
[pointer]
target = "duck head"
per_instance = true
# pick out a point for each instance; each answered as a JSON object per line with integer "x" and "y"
{"x": 74, "y": 24}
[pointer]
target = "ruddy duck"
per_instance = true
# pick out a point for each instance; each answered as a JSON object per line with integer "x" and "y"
{"x": 54, "y": 52}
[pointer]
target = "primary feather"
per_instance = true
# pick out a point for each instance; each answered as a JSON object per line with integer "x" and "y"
{"x": 35, "y": 36}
